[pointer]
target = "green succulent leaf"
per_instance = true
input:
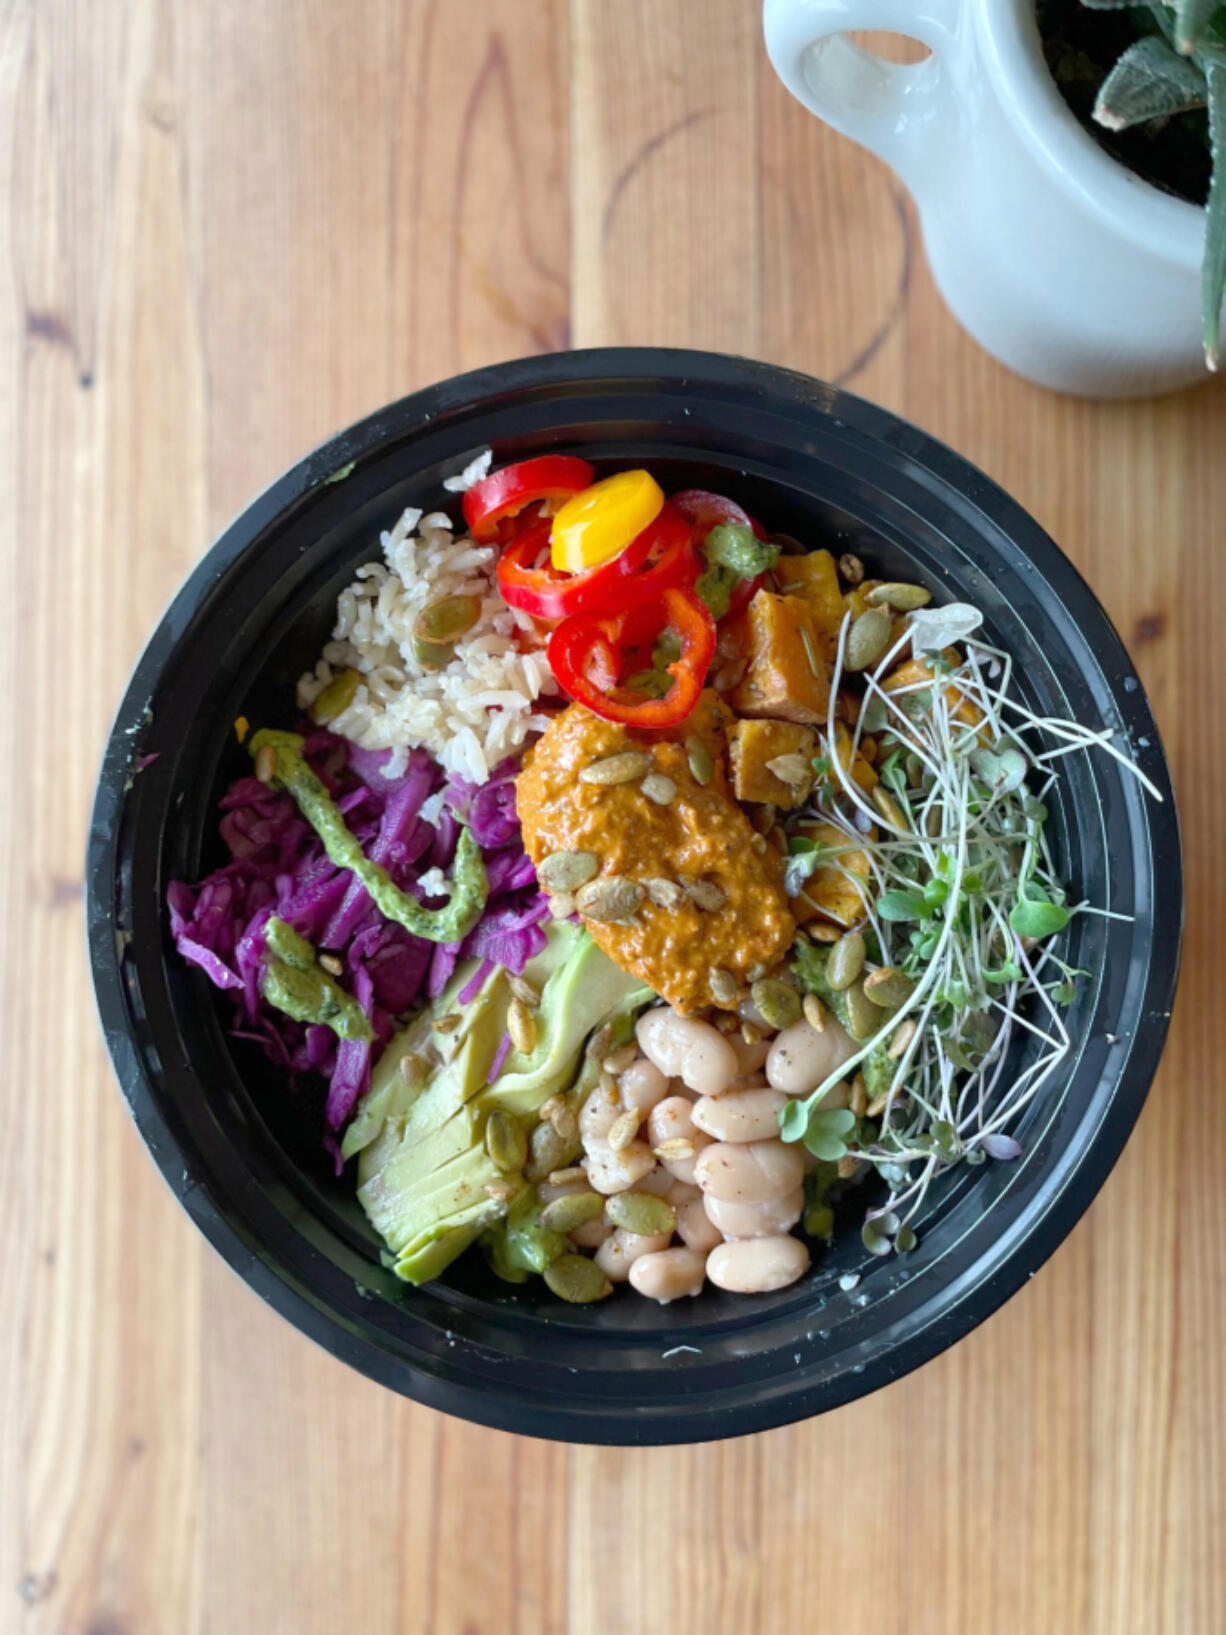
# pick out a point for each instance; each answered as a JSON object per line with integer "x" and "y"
{"x": 1150, "y": 81}
{"x": 1192, "y": 20}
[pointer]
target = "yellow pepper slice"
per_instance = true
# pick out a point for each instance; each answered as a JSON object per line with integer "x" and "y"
{"x": 598, "y": 523}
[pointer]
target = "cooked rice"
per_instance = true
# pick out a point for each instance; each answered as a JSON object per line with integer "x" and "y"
{"x": 478, "y": 709}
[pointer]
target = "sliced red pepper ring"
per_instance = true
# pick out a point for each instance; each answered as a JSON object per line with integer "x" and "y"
{"x": 551, "y": 478}
{"x": 586, "y": 654}
{"x": 671, "y": 562}
{"x": 528, "y": 579}
{"x": 704, "y": 511}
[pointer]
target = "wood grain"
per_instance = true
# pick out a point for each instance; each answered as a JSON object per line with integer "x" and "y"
{"x": 226, "y": 230}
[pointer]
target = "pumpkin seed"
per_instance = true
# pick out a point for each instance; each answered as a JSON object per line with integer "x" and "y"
{"x": 561, "y": 905}
{"x": 566, "y": 871}
{"x": 705, "y": 893}
{"x": 858, "y": 1100}
{"x": 889, "y": 808}
{"x": 336, "y": 697}
{"x": 623, "y": 1130}
{"x": 568, "y": 1176}
{"x": 756, "y": 971}
{"x": 757, "y": 844}
{"x": 265, "y": 763}
{"x": 863, "y": 1017}
{"x": 548, "y": 1151}
{"x": 627, "y": 767}
{"x": 505, "y": 1141}
{"x": 448, "y": 619}
{"x": 658, "y": 788}
{"x": 901, "y": 1038}
{"x": 778, "y": 1004}
{"x": 868, "y": 639}
{"x": 675, "y": 1150}
{"x": 414, "y": 1069}
{"x": 448, "y": 1023}
{"x": 642, "y": 1213}
{"x": 665, "y": 893}
{"x": 701, "y": 761}
{"x": 577, "y": 1280}
{"x": 814, "y": 1012}
{"x": 794, "y": 770}
{"x": 821, "y": 932}
{"x": 523, "y": 989}
{"x": 610, "y": 899}
{"x": 621, "y": 1058}
{"x": 750, "y": 1034}
{"x": 330, "y": 963}
{"x": 846, "y": 961}
{"x": 723, "y": 986}
{"x": 902, "y": 598}
{"x": 521, "y": 1025}
{"x": 889, "y": 987}
{"x": 432, "y": 655}
{"x": 575, "y": 1209}
{"x": 851, "y": 568}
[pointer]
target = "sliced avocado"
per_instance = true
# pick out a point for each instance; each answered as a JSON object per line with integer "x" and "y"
{"x": 423, "y": 1169}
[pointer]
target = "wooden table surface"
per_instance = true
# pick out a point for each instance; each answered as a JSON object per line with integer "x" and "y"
{"x": 228, "y": 228}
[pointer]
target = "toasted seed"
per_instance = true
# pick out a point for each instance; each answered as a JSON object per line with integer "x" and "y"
{"x": 506, "y": 1141}
{"x": 561, "y": 905}
{"x": 701, "y": 761}
{"x": 568, "y": 1176}
{"x": 847, "y": 1167}
{"x": 794, "y": 770}
{"x": 705, "y": 893}
{"x": 448, "y": 1023}
{"x": 575, "y": 1209}
{"x": 846, "y": 961}
{"x": 336, "y": 697}
{"x": 902, "y": 598}
{"x": 757, "y": 844}
{"x": 523, "y": 989}
{"x": 674, "y": 1149}
{"x": 764, "y": 817}
{"x": 548, "y": 1151}
{"x": 725, "y": 1021}
{"x": 566, "y": 871}
{"x": 330, "y": 963}
{"x": 608, "y": 1083}
{"x": 577, "y": 1280}
{"x": 723, "y": 986}
{"x": 658, "y": 788}
{"x": 610, "y": 899}
{"x": 889, "y": 808}
{"x": 858, "y": 1099}
{"x": 621, "y": 1058}
{"x": 265, "y": 763}
{"x": 868, "y": 639}
{"x": 432, "y": 655}
{"x": 778, "y": 1004}
{"x": 414, "y": 1069}
{"x": 863, "y": 1017}
{"x": 901, "y": 1038}
{"x": 553, "y": 1105}
{"x": 665, "y": 893}
{"x": 821, "y": 932}
{"x": 880, "y": 1102}
{"x": 502, "y": 1191}
{"x": 814, "y": 1012}
{"x": 642, "y": 1213}
{"x": 756, "y": 971}
{"x": 447, "y": 619}
{"x": 851, "y": 568}
{"x": 627, "y": 767}
{"x": 601, "y": 1042}
{"x": 564, "y": 1121}
{"x": 750, "y": 1034}
{"x": 521, "y": 1025}
{"x": 623, "y": 1130}
{"x": 889, "y": 987}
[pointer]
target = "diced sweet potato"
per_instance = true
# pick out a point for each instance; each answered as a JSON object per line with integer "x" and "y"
{"x": 755, "y": 744}
{"x": 914, "y": 673}
{"x": 828, "y": 892}
{"x": 861, "y": 770}
{"x": 815, "y": 578}
{"x": 788, "y": 677}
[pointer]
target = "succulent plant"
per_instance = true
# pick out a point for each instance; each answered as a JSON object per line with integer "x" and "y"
{"x": 1181, "y": 66}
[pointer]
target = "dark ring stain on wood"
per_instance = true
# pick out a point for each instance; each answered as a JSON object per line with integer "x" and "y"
{"x": 1149, "y": 628}
{"x": 49, "y": 326}
{"x": 637, "y": 160}
{"x": 898, "y": 306}
{"x": 66, "y": 891}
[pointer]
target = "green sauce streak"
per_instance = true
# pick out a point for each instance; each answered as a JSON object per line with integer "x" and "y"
{"x": 468, "y": 883}
{"x": 733, "y": 545}
{"x": 295, "y": 984}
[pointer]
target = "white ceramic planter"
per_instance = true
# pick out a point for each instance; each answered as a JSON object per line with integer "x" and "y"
{"x": 1056, "y": 258}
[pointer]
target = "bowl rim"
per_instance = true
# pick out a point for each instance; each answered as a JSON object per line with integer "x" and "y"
{"x": 330, "y": 462}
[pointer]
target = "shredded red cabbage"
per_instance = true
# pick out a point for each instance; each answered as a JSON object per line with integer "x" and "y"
{"x": 278, "y": 866}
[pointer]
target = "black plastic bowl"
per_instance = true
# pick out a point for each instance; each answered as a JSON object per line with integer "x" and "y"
{"x": 243, "y": 1156}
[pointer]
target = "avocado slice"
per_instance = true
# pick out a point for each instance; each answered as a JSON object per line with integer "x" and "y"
{"x": 423, "y": 1168}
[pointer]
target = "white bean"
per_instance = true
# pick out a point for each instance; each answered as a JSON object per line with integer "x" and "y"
{"x": 757, "y": 1265}
{"x": 749, "y": 1058}
{"x": 669, "y": 1274}
{"x": 801, "y": 1057}
{"x": 658, "y": 1181}
{"x": 752, "y": 1174}
{"x": 642, "y": 1085}
{"x": 618, "y": 1253}
{"x": 609, "y": 1171}
{"x": 696, "y": 1228}
{"x": 680, "y": 1192}
{"x": 740, "y": 1115}
{"x": 547, "y": 1192}
{"x": 591, "y": 1234}
{"x": 598, "y": 1115}
{"x": 690, "y": 1049}
{"x": 672, "y": 1120}
{"x": 762, "y": 1220}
